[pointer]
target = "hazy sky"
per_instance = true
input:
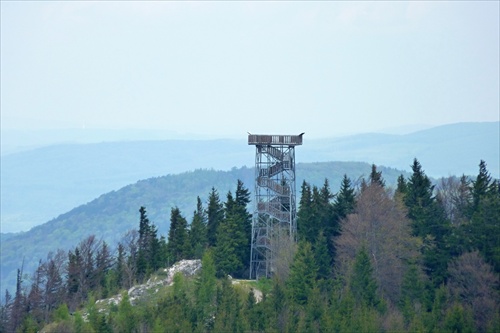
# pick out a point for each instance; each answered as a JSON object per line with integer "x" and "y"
{"x": 225, "y": 68}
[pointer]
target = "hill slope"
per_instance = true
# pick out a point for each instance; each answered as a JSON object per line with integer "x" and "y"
{"x": 39, "y": 184}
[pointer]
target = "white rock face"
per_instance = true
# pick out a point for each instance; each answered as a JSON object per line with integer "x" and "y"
{"x": 186, "y": 267}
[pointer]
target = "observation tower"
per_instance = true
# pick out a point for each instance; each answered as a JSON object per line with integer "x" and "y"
{"x": 275, "y": 213}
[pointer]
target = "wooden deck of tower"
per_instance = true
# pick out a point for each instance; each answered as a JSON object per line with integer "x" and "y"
{"x": 265, "y": 139}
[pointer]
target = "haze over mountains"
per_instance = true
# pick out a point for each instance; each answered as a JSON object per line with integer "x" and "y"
{"x": 39, "y": 184}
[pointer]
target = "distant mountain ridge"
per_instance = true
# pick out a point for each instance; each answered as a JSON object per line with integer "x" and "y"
{"x": 39, "y": 184}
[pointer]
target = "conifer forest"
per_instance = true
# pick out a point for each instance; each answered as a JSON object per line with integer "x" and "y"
{"x": 423, "y": 256}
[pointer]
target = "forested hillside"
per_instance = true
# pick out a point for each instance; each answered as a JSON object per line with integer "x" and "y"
{"x": 416, "y": 257}
{"x": 112, "y": 214}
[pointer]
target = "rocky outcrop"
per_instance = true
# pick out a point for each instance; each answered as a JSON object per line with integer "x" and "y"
{"x": 165, "y": 278}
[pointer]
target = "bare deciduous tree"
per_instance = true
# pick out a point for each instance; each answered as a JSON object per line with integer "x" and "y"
{"x": 129, "y": 242}
{"x": 380, "y": 223}
{"x": 283, "y": 248}
{"x": 454, "y": 196}
{"x": 473, "y": 282}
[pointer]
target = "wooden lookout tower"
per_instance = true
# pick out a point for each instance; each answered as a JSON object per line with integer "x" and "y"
{"x": 275, "y": 212}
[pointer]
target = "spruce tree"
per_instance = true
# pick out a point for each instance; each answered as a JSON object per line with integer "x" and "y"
{"x": 198, "y": 231}
{"x": 305, "y": 213}
{"x": 303, "y": 274}
{"x": 143, "y": 255}
{"x": 205, "y": 291}
{"x": 485, "y": 226}
{"x": 231, "y": 241}
{"x": 362, "y": 283}
{"x": 345, "y": 200}
{"x": 480, "y": 186}
{"x": 429, "y": 223}
{"x": 178, "y": 242}
{"x": 244, "y": 219}
{"x": 329, "y": 222}
{"x": 322, "y": 257}
{"x": 376, "y": 176}
{"x": 215, "y": 214}
{"x": 343, "y": 205}
{"x": 401, "y": 187}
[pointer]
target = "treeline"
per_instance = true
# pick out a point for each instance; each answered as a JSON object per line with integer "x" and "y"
{"x": 91, "y": 269}
{"x": 420, "y": 257}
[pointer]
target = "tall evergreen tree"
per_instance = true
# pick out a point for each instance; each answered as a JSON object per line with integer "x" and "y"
{"x": 330, "y": 224}
{"x": 401, "y": 187}
{"x": 376, "y": 176}
{"x": 303, "y": 274}
{"x": 484, "y": 227}
{"x": 345, "y": 200}
{"x": 198, "y": 231}
{"x": 244, "y": 218}
{"x": 143, "y": 255}
{"x": 17, "y": 310}
{"x": 104, "y": 262}
{"x": 305, "y": 214}
{"x": 228, "y": 317}
{"x": 429, "y": 223}
{"x": 343, "y": 205}
{"x": 73, "y": 282}
{"x": 480, "y": 186}
{"x": 362, "y": 283}
{"x": 232, "y": 243}
{"x": 205, "y": 292}
{"x": 54, "y": 284}
{"x": 178, "y": 242}
{"x": 322, "y": 257}
{"x": 215, "y": 214}
{"x": 120, "y": 267}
